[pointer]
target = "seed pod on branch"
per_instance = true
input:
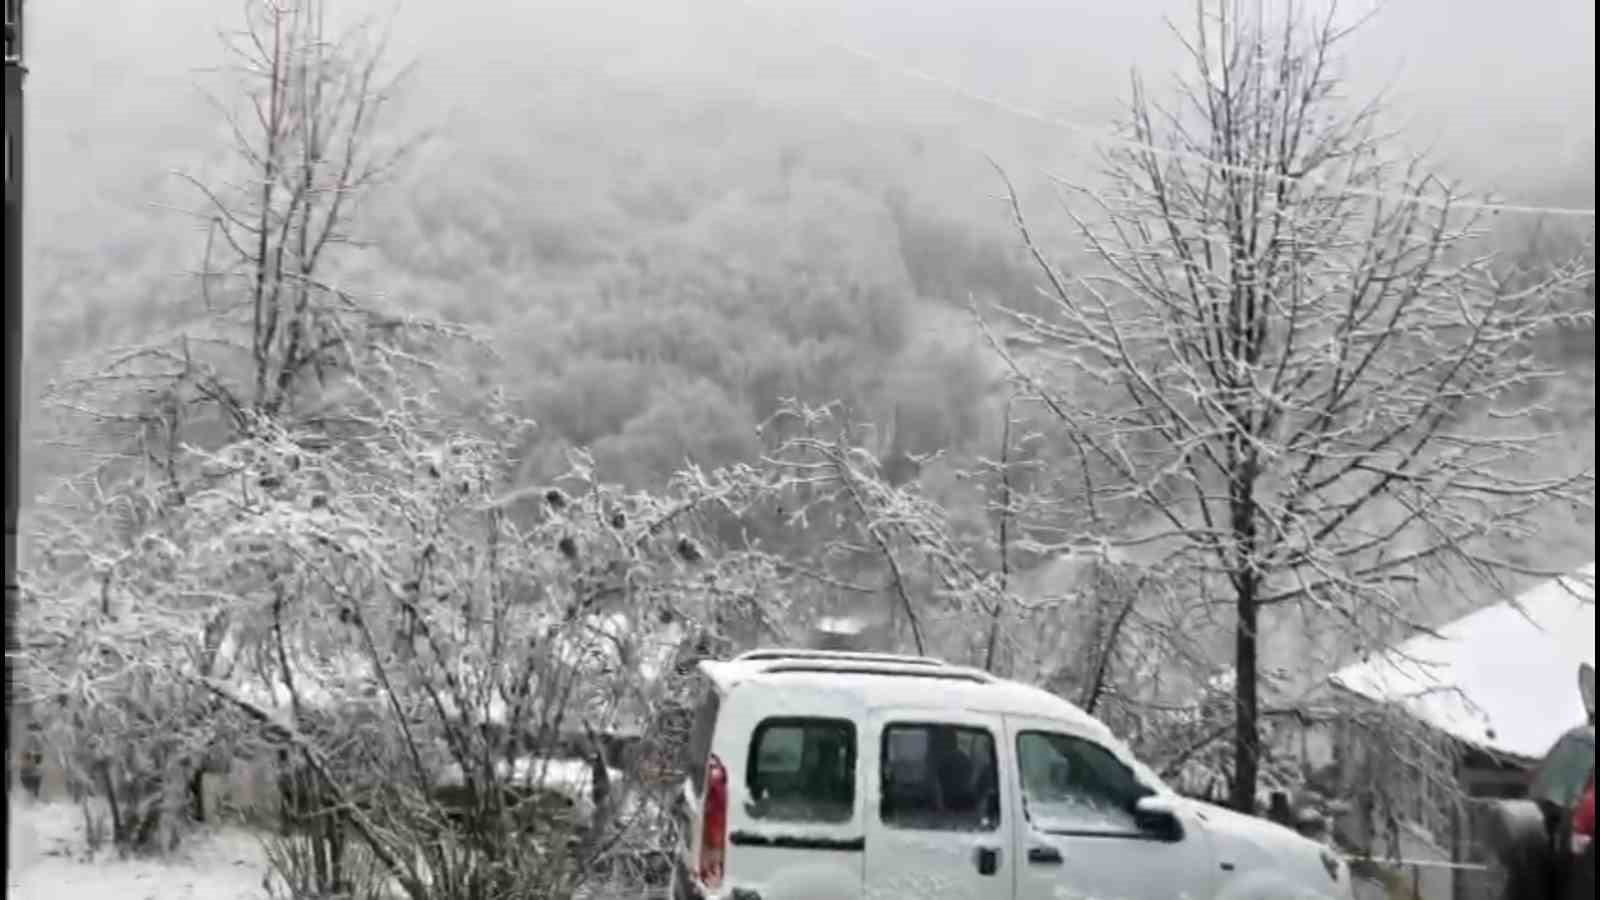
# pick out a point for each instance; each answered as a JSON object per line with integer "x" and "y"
{"x": 689, "y": 549}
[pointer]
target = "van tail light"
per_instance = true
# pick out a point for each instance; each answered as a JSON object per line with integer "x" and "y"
{"x": 714, "y": 824}
{"x": 1583, "y": 819}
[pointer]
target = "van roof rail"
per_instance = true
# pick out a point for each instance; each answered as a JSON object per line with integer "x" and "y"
{"x": 779, "y": 653}
{"x": 942, "y": 671}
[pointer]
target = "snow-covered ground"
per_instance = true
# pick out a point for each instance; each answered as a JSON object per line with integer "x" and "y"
{"x": 47, "y": 860}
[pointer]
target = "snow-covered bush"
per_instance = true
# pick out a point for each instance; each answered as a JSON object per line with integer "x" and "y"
{"x": 384, "y": 611}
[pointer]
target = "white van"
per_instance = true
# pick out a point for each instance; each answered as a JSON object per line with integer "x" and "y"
{"x": 819, "y": 775}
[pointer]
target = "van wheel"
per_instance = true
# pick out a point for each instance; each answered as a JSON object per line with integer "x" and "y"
{"x": 1517, "y": 836}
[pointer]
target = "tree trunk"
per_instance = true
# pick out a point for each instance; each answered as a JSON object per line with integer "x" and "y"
{"x": 197, "y": 793}
{"x": 1246, "y": 586}
{"x": 1246, "y": 734}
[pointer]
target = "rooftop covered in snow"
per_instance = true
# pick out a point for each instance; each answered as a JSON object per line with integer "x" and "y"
{"x": 1504, "y": 678}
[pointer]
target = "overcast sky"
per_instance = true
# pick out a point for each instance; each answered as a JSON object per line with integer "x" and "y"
{"x": 1502, "y": 89}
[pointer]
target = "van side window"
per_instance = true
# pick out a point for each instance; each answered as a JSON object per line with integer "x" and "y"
{"x": 802, "y": 770}
{"x": 938, "y": 777}
{"x": 1074, "y": 786}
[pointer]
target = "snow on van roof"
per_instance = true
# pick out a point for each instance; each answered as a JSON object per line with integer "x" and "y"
{"x": 1503, "y": 678}
{"x": 880, "y": 680}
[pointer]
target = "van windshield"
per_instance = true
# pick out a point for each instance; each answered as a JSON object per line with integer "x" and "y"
{"x": 1072, "y": 785}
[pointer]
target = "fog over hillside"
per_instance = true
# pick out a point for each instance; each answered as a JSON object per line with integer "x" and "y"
{"x": 568, "y": 138}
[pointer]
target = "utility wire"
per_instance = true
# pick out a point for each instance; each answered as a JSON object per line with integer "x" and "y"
{"x": 1103, "y": 137}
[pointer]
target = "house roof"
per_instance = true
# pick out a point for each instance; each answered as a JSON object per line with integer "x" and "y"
{"x": 1503, "y": 678}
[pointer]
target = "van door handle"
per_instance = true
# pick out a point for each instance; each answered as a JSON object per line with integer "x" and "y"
{"x": 1044, "y": 856}
{"x": 988, "y": 860}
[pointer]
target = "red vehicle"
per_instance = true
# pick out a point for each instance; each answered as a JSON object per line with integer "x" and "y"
{"x": 1546, "y": 841}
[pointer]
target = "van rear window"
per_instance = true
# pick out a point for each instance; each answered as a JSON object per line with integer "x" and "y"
{"x": 698, "y": 747}
{"x": 802, "y": 770}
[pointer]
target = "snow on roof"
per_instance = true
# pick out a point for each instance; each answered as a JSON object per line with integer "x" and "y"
{"x": 839, "y": 627}
{"x": 842, "y": 624}
{"x": 570, "y": 776}
{"x": 1503, "y": 678}
{"x": 330, "y": 682}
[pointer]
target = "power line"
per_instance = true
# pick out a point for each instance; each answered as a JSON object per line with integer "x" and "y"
{"x": 1104, "y": 137}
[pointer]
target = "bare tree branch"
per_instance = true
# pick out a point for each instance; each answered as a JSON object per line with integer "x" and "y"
{"x": 1299, "y": 388}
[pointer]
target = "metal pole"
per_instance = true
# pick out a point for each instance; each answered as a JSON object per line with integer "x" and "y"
{"x": 15, "y": 71}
